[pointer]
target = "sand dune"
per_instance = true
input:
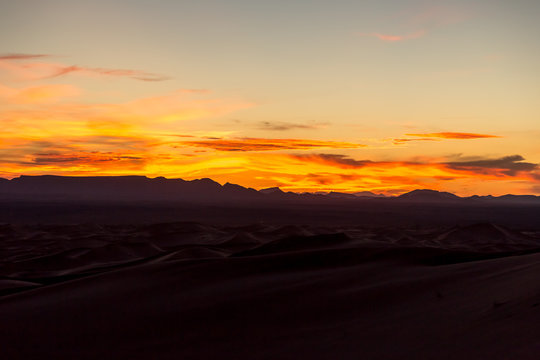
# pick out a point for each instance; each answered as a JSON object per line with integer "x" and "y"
{"x": 194, "y": 291}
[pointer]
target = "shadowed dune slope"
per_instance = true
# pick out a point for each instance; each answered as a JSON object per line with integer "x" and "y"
{"x": 192, "y": 291}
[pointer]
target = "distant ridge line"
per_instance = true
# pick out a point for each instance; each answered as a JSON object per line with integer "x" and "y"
{"x": 143, "y": 188}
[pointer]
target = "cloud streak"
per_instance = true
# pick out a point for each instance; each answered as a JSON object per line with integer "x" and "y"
{"x": 285, "y": 126}
{"x": 401, "y": 141}
{"x": 507, "y": 166}
{"x": 88, "y": 71}
{"x": 88, "y": 158}
{"x": 11, "y": 63}
{"x": 396, "y": 38}
{"x": 22, "y": 56}
{"x": 262, "y": 144}
{"x": 338, "y": 160}
{"x": 453, "y": 135}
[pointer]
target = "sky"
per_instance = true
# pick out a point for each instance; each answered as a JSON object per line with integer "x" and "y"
{"x": 385, "y": 96}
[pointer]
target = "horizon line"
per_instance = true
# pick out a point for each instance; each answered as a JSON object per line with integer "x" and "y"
{"x": 320, "y": 192}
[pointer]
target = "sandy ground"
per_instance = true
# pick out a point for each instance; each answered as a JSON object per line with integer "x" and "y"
{"x": 194, "y": 291}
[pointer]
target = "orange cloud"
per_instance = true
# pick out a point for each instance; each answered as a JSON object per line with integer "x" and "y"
{"x": 508, "y": 166}
{"x": 38, "y": 94}
{"x": 139, "y": 137}
{"x": 179, "y": 105}
{"x": 316, "y": 172}
{"x": 330, "y": 172}
{"x": 24, "y": 146}
{"x": 78, "y": 155}
{"x": 454, "y": 135}
{"x": 86, "y": 158}
{"x": 338, "y": 160}
{"x": 145, "y": 114}
{"x": 261, "y": 144}
{"x": 402, "y": 141}
{"x": 395, "y": 38}
{"x": 295, "y": 172}
{"x": 41, "y": 135}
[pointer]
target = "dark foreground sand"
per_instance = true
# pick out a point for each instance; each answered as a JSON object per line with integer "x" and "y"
{"x": 192, "y": 291}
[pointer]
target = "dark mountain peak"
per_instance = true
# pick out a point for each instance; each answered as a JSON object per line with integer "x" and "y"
{"x": 236, "y": 188}
{"x": 272, "y": 190}
{"x": 428, "y": 195}
{"x": 205, "y": 181}
{"x": 205, "y": 190}
{"x": 507, "y": 199}
{"x": 518, "y": 198}
{"x": 368, "y": 194}
{"x": 204, "y": 185}
{"x": 340, "y": 195}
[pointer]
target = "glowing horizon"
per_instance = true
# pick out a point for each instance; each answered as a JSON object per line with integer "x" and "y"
{"x": 383, "y": 96}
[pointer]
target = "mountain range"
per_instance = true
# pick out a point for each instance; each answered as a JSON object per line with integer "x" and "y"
{"x": 141, "y": 188}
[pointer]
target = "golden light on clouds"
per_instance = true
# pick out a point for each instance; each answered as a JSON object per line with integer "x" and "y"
{"x": 38, "y": 94}
{"x": 260, "y": 144}
{"x": 50, "y": 126}
{"x": 454, "y": 135}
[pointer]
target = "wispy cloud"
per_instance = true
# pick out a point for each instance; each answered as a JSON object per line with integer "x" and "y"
{"x": 338, "y": 160}
{"x": 88, "y": 71}
{"x": 507, "y": 166}
{"x": 400, "y": 141}
{"x": 419, "y": 23}
{"x": 396, "y": 38}
{"x": 18, "y": 66}
{"x": 109, "y": 138}
{"x": 441, "y": 136}
{"x": 22, "y": 56}
{"x": 118, "y": 117}
{"x": 262, "y": 144}
{"x": 89, "y": 158}
{"x": 454, "y": 135}
{"x": 284, "y": 126}
{"x": 78, "y": 154}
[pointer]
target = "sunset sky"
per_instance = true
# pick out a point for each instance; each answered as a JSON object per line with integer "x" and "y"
{"x": 385, "y": 96}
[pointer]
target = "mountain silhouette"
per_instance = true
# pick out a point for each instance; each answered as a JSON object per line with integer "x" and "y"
{"x": 368, "y": 194}
{"x": 428, "y": 195}
{"x": 160, "y": 189}
{"x": 271, "y": 190}
{"x": 121, "y": 188}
